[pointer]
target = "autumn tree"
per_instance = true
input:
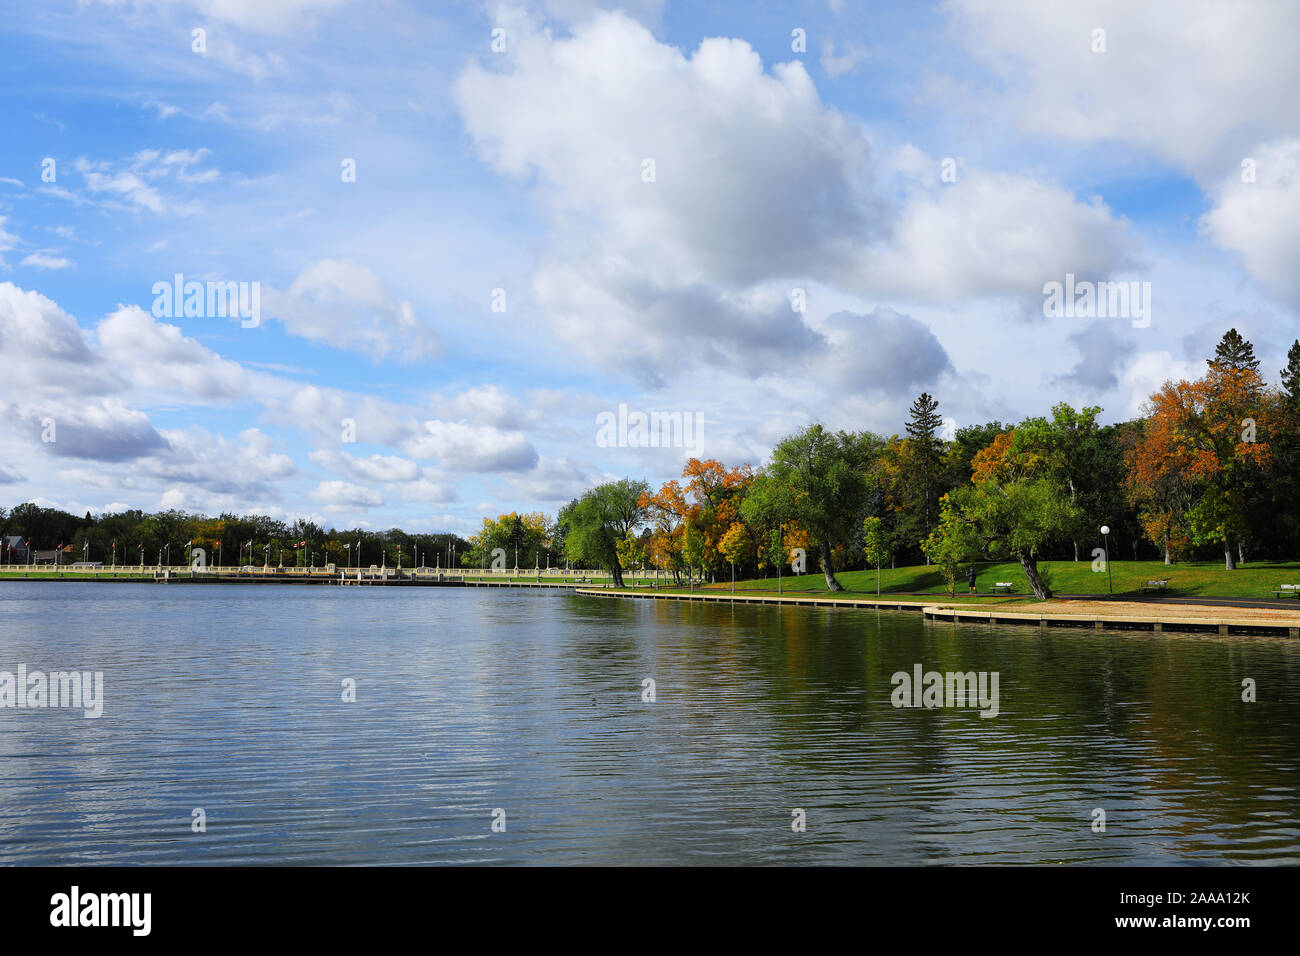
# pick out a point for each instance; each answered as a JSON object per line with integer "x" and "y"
{"x": 667, "y": 511}
{"x": 715, "y": 495}
{"x": 736, "y": 546}
{"x": 1158, "y": 480}
{"x": 1215, "y": 429}
{"x": 967, "y": 442}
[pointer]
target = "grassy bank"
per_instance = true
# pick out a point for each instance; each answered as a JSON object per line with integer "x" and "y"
{"x": 1198, "y": 579}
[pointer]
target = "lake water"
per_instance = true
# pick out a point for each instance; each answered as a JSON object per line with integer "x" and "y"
{"x": 469, "y": 701}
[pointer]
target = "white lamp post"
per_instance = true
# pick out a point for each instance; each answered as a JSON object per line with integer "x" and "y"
{"x": 1105, "y": 533}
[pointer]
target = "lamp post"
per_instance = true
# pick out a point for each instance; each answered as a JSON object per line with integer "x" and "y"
{"x": 1105, "y": 533}
{"x": 780, "y": 533}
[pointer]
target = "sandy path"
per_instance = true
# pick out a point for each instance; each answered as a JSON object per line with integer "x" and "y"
{"x": 1147, "y": 611}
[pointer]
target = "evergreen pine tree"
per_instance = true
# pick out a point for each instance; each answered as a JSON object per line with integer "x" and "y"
{"x": 922, "y": 430}
{"x": 1234, "y": 352}
{"x": 1291, "y": 376}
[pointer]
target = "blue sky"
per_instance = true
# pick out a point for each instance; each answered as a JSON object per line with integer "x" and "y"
{"x": 518, "y": 176}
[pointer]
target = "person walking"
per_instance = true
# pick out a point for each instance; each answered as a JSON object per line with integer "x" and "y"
{"x": 970, "y": 577}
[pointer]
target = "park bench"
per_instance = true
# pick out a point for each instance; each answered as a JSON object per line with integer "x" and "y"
{"x": 1002, "y": 587}
{"x": 1156, "y": 586}
{"x": 1287, "y": 590}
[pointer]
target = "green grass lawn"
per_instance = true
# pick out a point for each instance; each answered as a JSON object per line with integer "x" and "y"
{"x": 1194, "y": 579}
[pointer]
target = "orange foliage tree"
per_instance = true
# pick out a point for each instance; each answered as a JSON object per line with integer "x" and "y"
{"x": 1203, "y": 446}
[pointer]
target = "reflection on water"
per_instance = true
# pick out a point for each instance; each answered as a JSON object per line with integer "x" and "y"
{"x": 229, "y": 699}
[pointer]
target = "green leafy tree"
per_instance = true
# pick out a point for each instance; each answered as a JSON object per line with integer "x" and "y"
{"x": 1066, "y": 446}
{"x": 1014, "y": 518}
{"x": 819, "y": 479}
{"x": 876, "y": 544}
{"x": 951, "y": 543}
{"x": 693, "y": 547}
{"x": 600, "y": 519}
{"x": 631, "y": 551}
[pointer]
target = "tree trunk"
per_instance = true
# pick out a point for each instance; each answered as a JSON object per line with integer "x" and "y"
{"x": 1029, "y": 564}
{"x": 831, "y": 583}
{"x": 618, "y": 575}
{"x": 1228, "y": 561}
{"x": 1076, "y": 550}
{"x": 1241, "y": 552}
{"x": 1168, "y": 558}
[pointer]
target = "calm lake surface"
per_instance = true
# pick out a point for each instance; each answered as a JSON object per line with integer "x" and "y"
{"x": 229, "y": 699}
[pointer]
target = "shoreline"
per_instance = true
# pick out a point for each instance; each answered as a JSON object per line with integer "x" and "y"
{"x": 1179, "y": 618}
{"x": 1086, "y": 612}
{"x": 321, "y": 580}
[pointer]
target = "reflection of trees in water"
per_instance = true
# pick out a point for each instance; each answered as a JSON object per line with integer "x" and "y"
{"x": 1146, "y": 724}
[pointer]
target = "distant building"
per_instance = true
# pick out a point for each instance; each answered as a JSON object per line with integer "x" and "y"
{"x": 53, "y": 556}
{"x": 13, "y": 550}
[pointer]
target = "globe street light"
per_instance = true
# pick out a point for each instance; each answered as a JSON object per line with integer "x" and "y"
{"x": 1105, "y": 533}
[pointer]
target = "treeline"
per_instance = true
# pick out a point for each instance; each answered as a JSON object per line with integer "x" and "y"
{"x": 135, "y": 537}
{"x": 1209, "y": 469}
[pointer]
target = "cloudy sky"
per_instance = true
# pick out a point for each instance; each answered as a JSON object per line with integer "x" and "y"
{"x": 474, "y": 227}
